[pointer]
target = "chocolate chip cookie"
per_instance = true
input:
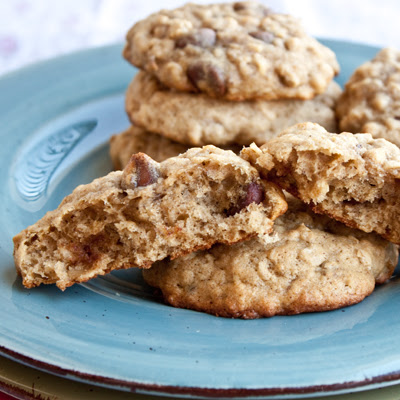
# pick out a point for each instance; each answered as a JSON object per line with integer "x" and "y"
{"x": 147, "y": 212}
{"x": 196, "y": 119}
{"x": 310, "y": 263}
{"x": 234, "y": 51}
{"x": 353, "y": 178}
{"x": 371, "y": 100}
{"x": 138, "y": 140}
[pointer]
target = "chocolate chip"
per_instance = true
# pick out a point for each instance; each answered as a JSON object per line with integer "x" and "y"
{"x": 204, "y": 37}
{"x": 260, "y": 9}
{"x": 266, "y": 37}
{"x": 140, "y": 171}
{"x": 208, "y": 78}
{"x": 254, "y": 194}
{"x": 397, "y": 117}
{"x": 196, "y": 73}
{"x": 241, "y": 5}
{"x": 216, "y": 79}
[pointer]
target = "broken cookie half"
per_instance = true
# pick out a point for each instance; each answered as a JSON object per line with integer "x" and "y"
{"x": 145, "y": 213}
{"x": 353, "y": 178}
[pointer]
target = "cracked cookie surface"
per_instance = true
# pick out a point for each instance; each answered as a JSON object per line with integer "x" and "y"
{"x": 235, "y": 51}
{"x": 310, "y": 263}
{"x": 196, "y": 119}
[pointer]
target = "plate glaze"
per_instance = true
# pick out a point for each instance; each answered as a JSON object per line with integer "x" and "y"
{"x": 56, "y": 118}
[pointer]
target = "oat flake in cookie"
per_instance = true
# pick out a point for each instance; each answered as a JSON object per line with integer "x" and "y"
{"x": 353, "y": 178}
{"x": 311, "y": 263}
{"x": 146, "y": 213}
{"x": 371, "y": 100}
{"x": 196, "y": 119}
{"x": 235, "y": 51}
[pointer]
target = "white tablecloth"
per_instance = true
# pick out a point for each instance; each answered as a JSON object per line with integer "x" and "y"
{"x": 32, "y": 30}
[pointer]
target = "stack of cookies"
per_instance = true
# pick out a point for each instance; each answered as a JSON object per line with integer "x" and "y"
{"x": 302, "y": 221}
{"x": 226, "y": 74}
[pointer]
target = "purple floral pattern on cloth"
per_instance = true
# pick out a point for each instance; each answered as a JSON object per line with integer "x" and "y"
{"x": 8, "y": 46}
{"x": 32, "y": 30}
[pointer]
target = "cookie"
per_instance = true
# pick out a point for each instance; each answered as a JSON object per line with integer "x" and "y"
{"x": 145, "y": 213}
{"x": 234, "y": 51}
{"x": 371, "y": 100}
{"x": 353, "y": 178}
{"x": 138, "y": 140}
{"x": 196, "y": 119}
{"x": 311, "y": 263}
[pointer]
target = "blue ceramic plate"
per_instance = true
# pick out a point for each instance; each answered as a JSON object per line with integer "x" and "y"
{"x": 55, "y": 119}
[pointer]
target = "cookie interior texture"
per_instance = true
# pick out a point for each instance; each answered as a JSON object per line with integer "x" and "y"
{"x": 145, "y": 213}
{"x": 235, "y": 51}
{"x": 310, "y": 263}
{"x": 196, "y": 119}
{"x": 370, "y": 102}
{"x": 351, "y": 177}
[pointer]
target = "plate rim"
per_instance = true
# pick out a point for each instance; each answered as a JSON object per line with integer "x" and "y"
{"x": 200, "y": 392}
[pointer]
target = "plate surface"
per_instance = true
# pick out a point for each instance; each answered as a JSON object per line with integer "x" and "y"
{"x": 56, "y": 118}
